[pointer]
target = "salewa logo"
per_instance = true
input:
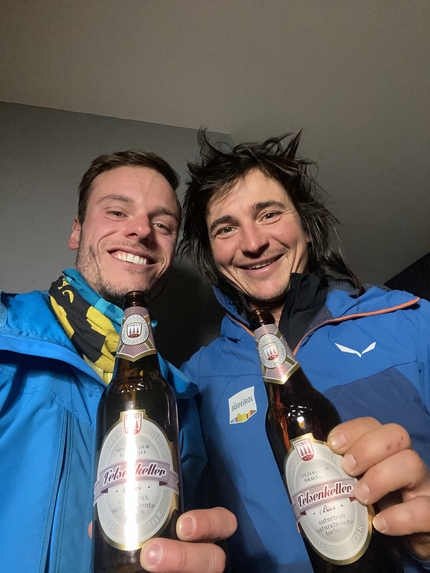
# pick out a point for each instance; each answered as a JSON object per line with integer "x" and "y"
{"x": 352, "y": 351}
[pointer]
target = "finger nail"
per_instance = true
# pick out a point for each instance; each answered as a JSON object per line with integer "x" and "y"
{"x": 349, "y": 463}
{"x": 362, "y": 492}
{"x": 380, "y": 524}
{"x": 336, "y": 441}
{"x": 151, "y": 555}
{"x": 186, "y": 527}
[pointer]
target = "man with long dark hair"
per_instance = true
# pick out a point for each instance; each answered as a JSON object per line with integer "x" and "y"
{"x": 256, "y": 225}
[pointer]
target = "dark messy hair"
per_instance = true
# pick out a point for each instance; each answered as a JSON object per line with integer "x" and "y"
{"x": 111, "y": 161}
{"x": 222, "y": 166}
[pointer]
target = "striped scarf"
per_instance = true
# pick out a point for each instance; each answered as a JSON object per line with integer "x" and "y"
{"x": 91, "y": 323}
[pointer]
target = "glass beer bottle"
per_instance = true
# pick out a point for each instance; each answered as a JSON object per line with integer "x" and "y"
{"x": 137, "y": 491}
{"x": 336, "y": 528}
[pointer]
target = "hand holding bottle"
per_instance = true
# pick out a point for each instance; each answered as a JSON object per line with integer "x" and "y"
{"x": 336, "y": 528}
{"x": 196, "y": 551}
{"x": 137, "y": 493}
{"x": 197, "y": 532}
{"x": 383, "y": 456}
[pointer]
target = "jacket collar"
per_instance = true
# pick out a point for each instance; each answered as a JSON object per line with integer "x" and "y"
{"x": 342, "y": 283}
{"x": 29, "y": 326}
{"x": 344, "y": 301}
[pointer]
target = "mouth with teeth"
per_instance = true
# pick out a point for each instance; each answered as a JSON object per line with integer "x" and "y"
{"x": 261, "y": 265}
{"x": 133, "y": 259}
{"x": 255, "y": 267}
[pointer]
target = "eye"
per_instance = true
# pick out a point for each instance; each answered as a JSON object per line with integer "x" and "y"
{"x": 224, "y": 231}
{"x": 164, "y": 228}
{"x": 115, "y": 213}
{"x": 271, "y": 215}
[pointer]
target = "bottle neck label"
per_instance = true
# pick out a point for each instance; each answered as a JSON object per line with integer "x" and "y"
{"x": 277, "y": 360}
{"x": 136, "y": 338}
{"x": 322, "y": 496}
{"x": 137, "y": 488}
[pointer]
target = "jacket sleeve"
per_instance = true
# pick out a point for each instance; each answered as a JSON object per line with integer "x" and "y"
{"x": 193, "y": 453}
{"x": 423, "y": 351}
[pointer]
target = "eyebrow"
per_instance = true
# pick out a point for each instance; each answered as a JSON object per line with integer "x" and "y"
{"x": 164, "y": 211}
{"x": 221, "y": 221}
{"x": 256, "y": 208}
{"x": 264, "y": 204}
{"x": 160, "y": 210}
{"x": 115, "y": 197}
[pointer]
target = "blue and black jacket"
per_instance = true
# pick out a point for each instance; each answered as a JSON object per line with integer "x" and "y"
{"x": 369, "y": 354}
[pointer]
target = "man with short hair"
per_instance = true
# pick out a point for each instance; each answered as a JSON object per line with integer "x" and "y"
{"x": 57, "y": 353}
{"x": 256, "y": 225}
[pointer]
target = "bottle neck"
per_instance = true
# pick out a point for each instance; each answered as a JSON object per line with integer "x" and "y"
{"x": 125, "y": 368}
{"x": 136, "y": 336}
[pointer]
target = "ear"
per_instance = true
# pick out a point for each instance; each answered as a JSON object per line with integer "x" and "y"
{"x": 75, "y": 237}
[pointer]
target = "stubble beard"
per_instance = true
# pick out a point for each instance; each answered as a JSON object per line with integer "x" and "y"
{"x": 274, "y": 300}
{"x": 87, "y": 264}
{"x": 254, "y": 296}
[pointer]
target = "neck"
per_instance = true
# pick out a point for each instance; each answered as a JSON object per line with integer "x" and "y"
{"x": 303, "y": 287}
{"x": 275, "y": 307}
{"x": 110, "y": 310}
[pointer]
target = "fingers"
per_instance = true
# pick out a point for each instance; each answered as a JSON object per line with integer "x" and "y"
{"x": 206, "y": 525}
{"x": 403, "y": 471}
{"x": 365, "y": 442}
{"x": 382, "y": 456}
{"x": 201, "y": 525}
{"x": 406, "y": 518}
{"x": 169, "y": 556}
{"x": 344, "y": 435}
{"x": 411, "y": 520}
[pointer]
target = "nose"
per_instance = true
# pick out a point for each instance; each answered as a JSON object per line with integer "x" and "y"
{"x": 138, "y": 229}
{"x": 254, "y": 240}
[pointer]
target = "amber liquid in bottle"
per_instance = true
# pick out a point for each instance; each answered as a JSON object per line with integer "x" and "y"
{"x": 137, "y": 491}
{"x": 336, "y": 528}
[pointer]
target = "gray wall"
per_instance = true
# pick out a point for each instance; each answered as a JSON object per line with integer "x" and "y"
{"x": 43, "y": 155}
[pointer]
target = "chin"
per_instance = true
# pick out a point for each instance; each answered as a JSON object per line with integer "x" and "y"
{"x": 114, "y": 294}
{"x": 268, "y": 299}
{"x": 115, "y": 298}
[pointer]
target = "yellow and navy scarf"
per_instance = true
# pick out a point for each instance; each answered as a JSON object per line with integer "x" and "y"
{"x": 91, "y": 323}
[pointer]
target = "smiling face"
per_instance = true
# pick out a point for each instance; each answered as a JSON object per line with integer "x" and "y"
{"x": 257, "y": 239}
{"x": 128, "y": 238}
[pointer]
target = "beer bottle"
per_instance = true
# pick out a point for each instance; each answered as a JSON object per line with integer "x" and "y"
{"x": 137, "y": 491}
{"x": 336, "y": 528}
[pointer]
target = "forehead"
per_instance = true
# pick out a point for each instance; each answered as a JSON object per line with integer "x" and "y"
{"x": 253, "y": 188}
{"x": 141, "y": 184}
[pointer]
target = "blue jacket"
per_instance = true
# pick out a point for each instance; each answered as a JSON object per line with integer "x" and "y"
{"x": 48, "y": 403}
{"x": 369, "y": 355}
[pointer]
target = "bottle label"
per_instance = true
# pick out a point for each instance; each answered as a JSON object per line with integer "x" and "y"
{"x": 322, "y": 497}
{"x": 136, "y": 339}
{"x": 136, "y": 489}
{"x": 277, "y": 361}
